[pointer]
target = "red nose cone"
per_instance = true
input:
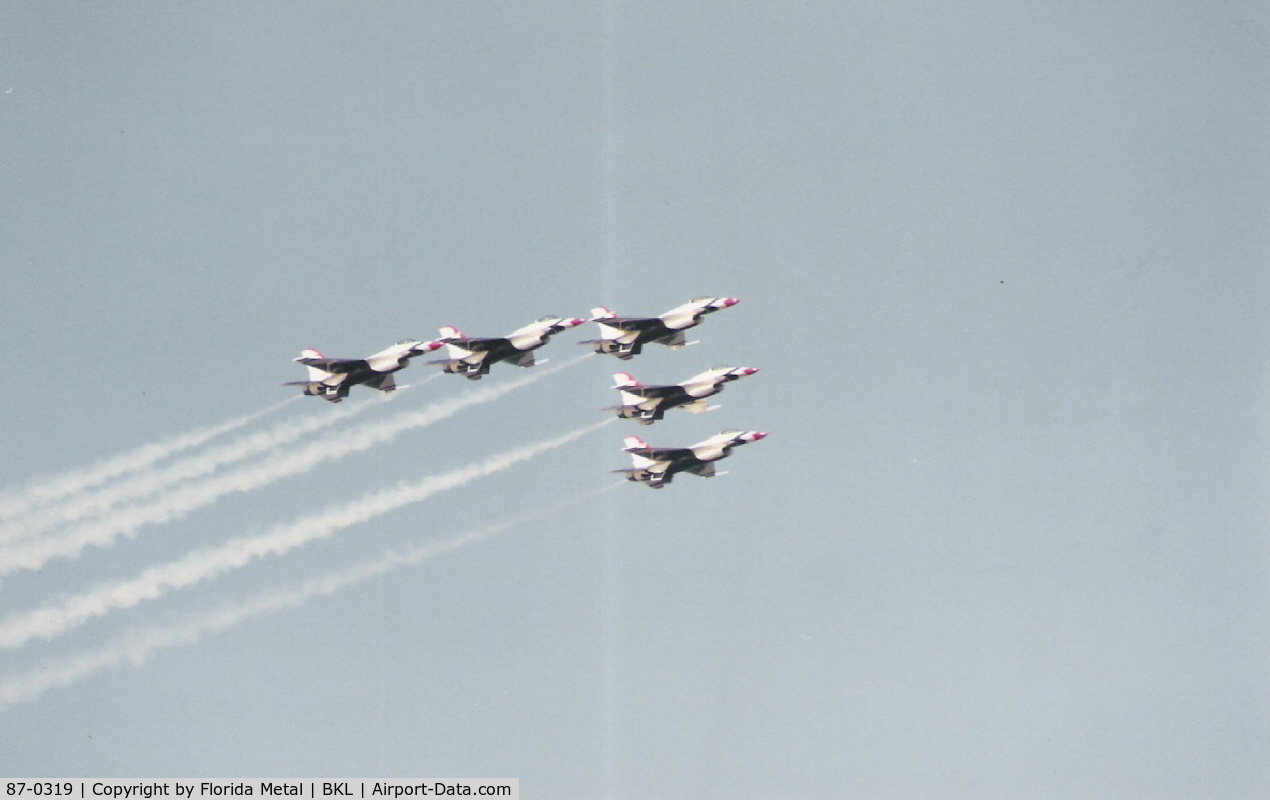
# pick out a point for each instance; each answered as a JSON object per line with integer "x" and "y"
{"x": 749, "y": 370}
{"x": 575, "y": 322}
{"x": 759, "y": 435}
{"x": 730, "y": 301}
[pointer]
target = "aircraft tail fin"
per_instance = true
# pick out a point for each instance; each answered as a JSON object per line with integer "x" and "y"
{"x": 600, "y": 312}
{"x": 315, "y": 373}
{"x": 450, "y": 332}
{"x": 623, "y": 379}
{"x": 633, "y": 443}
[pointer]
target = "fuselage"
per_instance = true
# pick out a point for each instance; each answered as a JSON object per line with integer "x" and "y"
{"x": 473, "y": 357}
{"x": 647, "y": 404}
{"x": 625, "y": 337}
{"x": 333, "y": 377}
{"x": 657, "y": 466}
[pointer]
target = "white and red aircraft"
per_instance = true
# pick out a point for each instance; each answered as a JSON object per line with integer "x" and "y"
{"x": 647, "y": 404}
{"x": 331, "y": 378}
{"x": 625, "y": 337}
{"x": 656, "y": 466}
{"x": 473, "y": 357}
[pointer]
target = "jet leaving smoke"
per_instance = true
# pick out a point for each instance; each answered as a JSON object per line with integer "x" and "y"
{"x": 149, "y": 482}
{"x": 138, "y": 647}
{"x": 235, "y": 553}
{"x": 184, "y": 498}
{"x": 52, "y": 489}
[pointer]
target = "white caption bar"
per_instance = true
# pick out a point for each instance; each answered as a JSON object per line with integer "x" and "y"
{"x": 227, "y": 790}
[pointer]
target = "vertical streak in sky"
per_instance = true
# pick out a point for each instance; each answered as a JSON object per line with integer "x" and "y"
{"x": 381, "y": 79}
{"x": 381, "y": 113}
{"x": 608, "y": 285}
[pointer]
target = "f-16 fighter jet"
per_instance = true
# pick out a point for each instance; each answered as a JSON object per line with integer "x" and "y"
{"x": 624, "y": 337}
{"x": 331, "y": 378}
{"x": 656, "y": 466}
{"x": 647, "y": 404}
{"x": 473, "y": 357}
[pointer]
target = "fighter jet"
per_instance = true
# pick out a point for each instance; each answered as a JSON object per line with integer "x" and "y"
{"x": 624, "y": 337}
{"x": 647, "y": 404}
{"x": 473, "y": 357}
{"x": 656, "y": 466}
{"x": 331, "y": 378}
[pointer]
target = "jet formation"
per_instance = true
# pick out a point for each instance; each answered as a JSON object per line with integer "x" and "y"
{"x": 622, "y": 337}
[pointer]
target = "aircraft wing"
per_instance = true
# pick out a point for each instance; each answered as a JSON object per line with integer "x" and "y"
{"x": 383, "y": 383}
{"x": 465, "y": 348}
{"x": 524, "y": 359}
{"x": 705, "y": 469}
{"x": 633, "y": 392}
{"x": 333, "y": 365}
{"x": 661, "y": 454}
{"x": 676, "y": 339}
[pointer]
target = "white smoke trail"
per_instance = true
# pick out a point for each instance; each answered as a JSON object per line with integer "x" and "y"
{"x": 137, "y": 647}
{"x": 52, "y": 489}
{"x": 203, "y": 564}
{"x": 152, "y": 481}
{"x": 183, "y": 499}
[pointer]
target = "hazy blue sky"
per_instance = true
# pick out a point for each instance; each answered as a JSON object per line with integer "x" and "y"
{"x": 1003, "y": 267}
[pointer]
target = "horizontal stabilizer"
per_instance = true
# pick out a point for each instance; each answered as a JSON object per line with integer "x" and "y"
{"x": 645, "y": 477}
{"x": 331, "y": 392}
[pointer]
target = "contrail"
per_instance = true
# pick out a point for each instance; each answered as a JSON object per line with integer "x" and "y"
{"x": 203, "y": 564}
{"x": 69, "y": 483}
{"x": 150, "y": 482}
{"x": 137, "y": 647}
{"x": 183, "y": 499}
